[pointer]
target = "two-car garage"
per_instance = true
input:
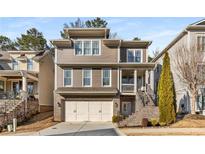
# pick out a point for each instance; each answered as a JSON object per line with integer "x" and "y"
{"x": 88, "y": 110}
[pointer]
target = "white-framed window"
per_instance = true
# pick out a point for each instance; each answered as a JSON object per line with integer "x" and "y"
{"x": 87, "y": 47}
{"x": 87, "y": 77}
{"x": 67, "y": 77}
{"x": 106, "y": 77}
{"x": 30, "y": 64}
{"x": 134, "y": 55}
{"x": 95, "y": 48}
{"x": 78, "y": 48}
{"x": 201, "y": 43}
{"x": 15, "y": 65}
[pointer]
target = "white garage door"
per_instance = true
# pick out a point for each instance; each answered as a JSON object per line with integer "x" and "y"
{"x": 88, "y": 110}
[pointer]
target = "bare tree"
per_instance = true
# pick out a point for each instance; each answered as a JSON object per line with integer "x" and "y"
{"x": 189, "y": 64}
{"x": 156, "y": 52}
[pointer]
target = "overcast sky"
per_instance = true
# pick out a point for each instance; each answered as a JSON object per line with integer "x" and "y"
{"x": 159, "y": 30}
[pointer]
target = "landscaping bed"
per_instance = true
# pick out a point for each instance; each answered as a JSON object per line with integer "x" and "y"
{"x": 35, "y": 124}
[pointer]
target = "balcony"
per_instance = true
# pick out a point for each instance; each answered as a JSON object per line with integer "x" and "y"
{"x": 128, "y": 88}
{"x": 132, "y": 80}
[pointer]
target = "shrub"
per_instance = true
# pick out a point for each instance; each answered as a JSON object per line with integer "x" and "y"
{"x": 166, "y": 94}
{"x": 162, "y": 124}
{"x": 117, "y": 118}
{"x": 144, "y": 122}
{"x": 154, "y": 122}
{"x": 1, "y": 129}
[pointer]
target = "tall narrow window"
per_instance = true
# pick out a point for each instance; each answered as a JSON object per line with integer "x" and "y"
{"x": 201, "y": 43}
{"x": 130, "y": 56}
{"x": 138, "y": 56}
{"x": 95, "y": 47}
{"x": 106, "y": 77}
{"x": 30, "y": 64}
{"x": 67, "y": 77}
{"x": 78, "y": 48}
{"x": 15, "y": 65}
{"x": 87, "y": 77}
{"x": 87, "y": 48}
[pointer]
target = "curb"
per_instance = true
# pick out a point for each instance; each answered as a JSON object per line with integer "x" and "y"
{"x": 117, "y": 130}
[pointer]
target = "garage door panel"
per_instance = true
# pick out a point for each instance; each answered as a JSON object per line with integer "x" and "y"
{"x": 82, "y": 111}
{"x": 95, "y": 111}
{"x": 70, "y": 111}
{"x": 107, "y": 111}
{"x": 88, "y": 110}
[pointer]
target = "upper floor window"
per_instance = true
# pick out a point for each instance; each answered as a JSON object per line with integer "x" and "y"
{"x": 78, "y": 48}
{"x": 87, "y": 47}
{"x": 29, "y": 64}
{"x": 106, "y": 80}
{"x": 68, "y": 73}
{"x": 87, "y": 77}
{"x": 201, "y": 43}
{"x": 15, "y": 65}
{"x": 134, "y": 55}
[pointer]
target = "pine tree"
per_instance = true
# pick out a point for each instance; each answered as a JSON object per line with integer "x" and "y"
{"x": 166, "y": 94}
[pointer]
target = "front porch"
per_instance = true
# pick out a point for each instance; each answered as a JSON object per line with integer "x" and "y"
{"x": 132, "y": 80}
{"x": 14, "y": 83}
{"x": 132, "y": 90}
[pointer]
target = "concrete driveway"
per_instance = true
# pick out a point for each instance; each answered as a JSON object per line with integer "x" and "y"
{"x": 81, "y": 129}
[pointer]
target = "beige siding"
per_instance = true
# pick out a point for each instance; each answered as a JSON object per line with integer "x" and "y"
{"x": 77, "y": 77}
{"x": 67, "y": 56}
{"x": 46, "y": 81}
{"x": 23, "y": 65}
{"x": 123, "y": 55}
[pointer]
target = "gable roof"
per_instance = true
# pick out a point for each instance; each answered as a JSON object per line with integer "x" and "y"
{"x": 199, "y": 25}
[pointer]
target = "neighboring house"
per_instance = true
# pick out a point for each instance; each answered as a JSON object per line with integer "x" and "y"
{"x": 28, "y": 71}
{"x": 192, "y": 33}
{"x": 97, "y": 77}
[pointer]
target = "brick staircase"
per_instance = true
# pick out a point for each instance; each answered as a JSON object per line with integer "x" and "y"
{"x": 147, "y": 110}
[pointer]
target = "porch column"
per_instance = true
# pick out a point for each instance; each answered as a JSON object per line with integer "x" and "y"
{"x": 24, "y": 83}
{"x": 135, "y": 80}
{"x": 146, "y": 79}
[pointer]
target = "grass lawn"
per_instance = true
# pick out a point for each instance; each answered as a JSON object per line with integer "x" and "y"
{"x": 189, "y": 125}
{"x": 35, "y": 124}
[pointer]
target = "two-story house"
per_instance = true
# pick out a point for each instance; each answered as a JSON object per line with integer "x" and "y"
{"x": 97, "y": 77}
{"x": 192, "y": 34}
{"x": 27, "y": 71}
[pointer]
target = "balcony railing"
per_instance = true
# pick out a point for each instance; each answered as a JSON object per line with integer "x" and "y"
{"x": 128, "y": 88}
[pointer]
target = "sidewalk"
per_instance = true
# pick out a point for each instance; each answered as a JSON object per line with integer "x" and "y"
{"x": 162, "y": 131}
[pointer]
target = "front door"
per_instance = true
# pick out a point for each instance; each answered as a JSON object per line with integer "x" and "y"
{"x": 126, "y": 108}
{"x": 16, "y": 87}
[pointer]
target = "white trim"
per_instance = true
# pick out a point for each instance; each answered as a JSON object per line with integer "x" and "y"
{"x": 91, "y": 77}
{"x": 110, "y": 77}
{"x": 134, "y": 50}
{"x": 91, "y": 40}
{"x": 71, "y": 77}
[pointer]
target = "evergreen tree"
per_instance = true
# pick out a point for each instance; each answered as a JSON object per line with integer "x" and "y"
{"x": 166, "y": 94}
{"x": 32, "y": 40}
{"x": 96, "y": 23}
{"x": 6, "y": 43}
